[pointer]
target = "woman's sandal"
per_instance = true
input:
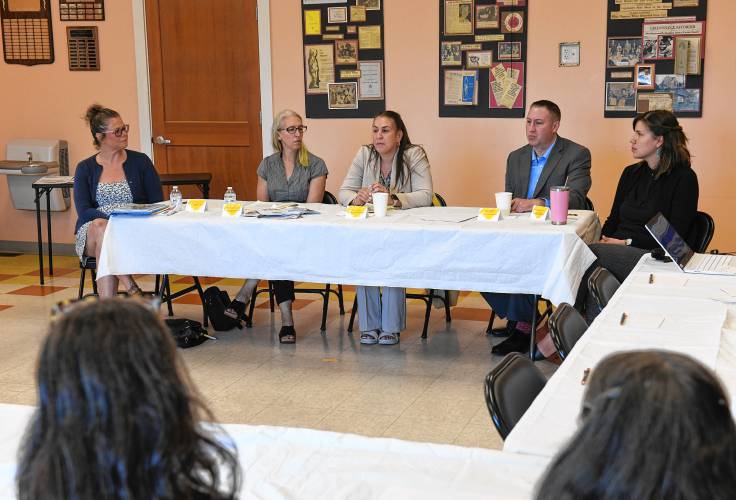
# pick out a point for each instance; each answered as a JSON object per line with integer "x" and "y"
{"x": 287, "y": 335}
{"x": 388, "y": 338}
{"x": 235, "y": 310}
{"x": 134, "y": 291}
{"x": 370, "y": 337}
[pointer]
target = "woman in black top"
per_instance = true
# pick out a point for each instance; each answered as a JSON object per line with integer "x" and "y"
{"x": 662, "y": 181}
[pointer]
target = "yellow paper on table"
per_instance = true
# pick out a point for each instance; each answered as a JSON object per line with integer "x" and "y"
{"x": 539, "y": 213}
{"x": 356, "y": 212}
{"x": 489, "y": 214}
{"x": 232, "y": 209}
{"x": 197, "y": 206}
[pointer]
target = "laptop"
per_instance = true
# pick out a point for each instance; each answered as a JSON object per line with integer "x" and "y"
{"x": 682, "y": 255}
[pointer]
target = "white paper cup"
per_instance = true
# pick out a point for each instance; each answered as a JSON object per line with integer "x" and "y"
{"x": 503, "y": 202}
{"x": 380, "y": 203}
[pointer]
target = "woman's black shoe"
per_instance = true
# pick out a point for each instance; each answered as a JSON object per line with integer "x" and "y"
{"x": 287, "y": 335}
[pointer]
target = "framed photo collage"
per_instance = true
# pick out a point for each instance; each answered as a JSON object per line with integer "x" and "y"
{"x": 343, "y": 58}
{"x": 655, "y": 57}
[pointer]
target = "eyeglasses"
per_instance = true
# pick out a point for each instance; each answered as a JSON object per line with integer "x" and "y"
{"x": 118, "y": 131}
{"x": 148, "y": 300}
{"x": 293, "y": 130}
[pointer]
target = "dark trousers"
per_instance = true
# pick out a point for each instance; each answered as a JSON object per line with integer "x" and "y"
{"x": 283, "y": 290}
{"x": 513, "y": 306}
{"x": 620, "y": 260}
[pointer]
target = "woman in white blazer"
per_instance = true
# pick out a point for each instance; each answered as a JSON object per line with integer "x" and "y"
{"x": 390, "y": 164}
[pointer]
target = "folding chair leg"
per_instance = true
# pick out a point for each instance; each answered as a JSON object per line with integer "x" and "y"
{"x": 270, "y": 296}
{"x": 251, "y": 308}
{"x": 448, "y": 318}
{"x": 532, "y": 340}
{"x": 201, "y": 299}
{"x": 427, "y": 312}
{"x": 339, "y": 300}
{"x": 168, "y": 296}
{"x": 352, "y": 315}
{"x": 490, "y": 322}
{"x": 325, "y": 305}
{"x": 94, "y": 281}
{"x": 157, "y": 284}
{"x": 81, "y": 283}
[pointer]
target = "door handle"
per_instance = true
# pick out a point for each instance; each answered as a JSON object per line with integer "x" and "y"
{"x": 161, "y": 140}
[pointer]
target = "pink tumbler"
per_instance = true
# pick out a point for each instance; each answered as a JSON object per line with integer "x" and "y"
{"x": 559, "y": 199}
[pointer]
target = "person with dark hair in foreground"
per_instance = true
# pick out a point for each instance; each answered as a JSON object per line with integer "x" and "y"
{"x": 654, "y": 425}
{"x": 117, "y": 415}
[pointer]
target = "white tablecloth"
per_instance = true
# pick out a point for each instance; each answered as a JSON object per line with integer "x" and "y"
{"x": 404, "y": 249}
{"x": 290, "y": 463}
{"x": 697, "y": 318}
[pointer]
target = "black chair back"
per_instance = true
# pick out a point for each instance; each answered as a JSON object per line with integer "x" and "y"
{"x": 566, "y": 326}
{"x": 510, "y": 389}
{"x": 705, "y": 226}
{"x": 602, "y": 285}
{"x": 329, "y": 199}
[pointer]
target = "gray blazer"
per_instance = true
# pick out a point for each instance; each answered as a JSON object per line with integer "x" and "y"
{"x": 414, "y": 191}
{"x": 567, "y": 160}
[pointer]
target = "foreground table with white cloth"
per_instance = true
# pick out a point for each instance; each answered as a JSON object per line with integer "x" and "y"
{"x": 416, "y": 248}
{"x": 687, "y": 313}
{"x": 290, "y": 463}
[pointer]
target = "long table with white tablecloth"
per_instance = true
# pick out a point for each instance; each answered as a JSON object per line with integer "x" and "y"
{"x": 665, "y": 309}
{"x": 303, "y": 464}
{"x": 420, "y": 248}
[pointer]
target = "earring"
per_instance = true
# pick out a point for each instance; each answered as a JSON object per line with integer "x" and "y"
{"x": 659, "y": 152}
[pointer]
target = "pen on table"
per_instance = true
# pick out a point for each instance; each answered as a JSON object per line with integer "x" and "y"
{"x": 586, "y": 373}
{"x": 651, "y": 279}
{"x": 623, "y": 319}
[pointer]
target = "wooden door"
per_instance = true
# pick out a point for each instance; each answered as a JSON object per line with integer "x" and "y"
{"x": 205, "y": 90}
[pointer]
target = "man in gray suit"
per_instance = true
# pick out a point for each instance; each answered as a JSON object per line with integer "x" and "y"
{"x": 547, "y": 160}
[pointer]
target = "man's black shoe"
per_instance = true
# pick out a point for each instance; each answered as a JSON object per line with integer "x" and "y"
{"x": 518, "y": 341}
{"x": 503, "y": 331}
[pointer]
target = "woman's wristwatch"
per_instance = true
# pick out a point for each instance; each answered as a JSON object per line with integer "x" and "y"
{"x": 628, "y": 242}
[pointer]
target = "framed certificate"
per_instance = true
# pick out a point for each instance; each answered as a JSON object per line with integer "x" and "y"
{"x": 570, "y": 54}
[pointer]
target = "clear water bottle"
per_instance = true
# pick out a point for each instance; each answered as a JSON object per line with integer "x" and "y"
{"x": 175, "y": 197}
{"x": 229, "y": 195}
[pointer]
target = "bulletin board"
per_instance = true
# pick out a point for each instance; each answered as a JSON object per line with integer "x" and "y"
{"x": 482, "y": 58}
{"x": 655, "y": 57}
{"x": 343, "y": 52}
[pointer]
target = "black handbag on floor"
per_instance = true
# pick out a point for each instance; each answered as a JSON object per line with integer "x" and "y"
{"x": 187, "y": 332}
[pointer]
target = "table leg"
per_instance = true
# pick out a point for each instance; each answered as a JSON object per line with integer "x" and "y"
{"x": 37, "y": 200}
{"x": 535, "y": 318}
{"x": 48, "y": 228}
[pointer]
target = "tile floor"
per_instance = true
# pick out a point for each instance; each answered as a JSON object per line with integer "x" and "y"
{"x": 422, "y": 390}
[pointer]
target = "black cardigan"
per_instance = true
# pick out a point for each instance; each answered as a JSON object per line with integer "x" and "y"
{"x": 639, "y": 197}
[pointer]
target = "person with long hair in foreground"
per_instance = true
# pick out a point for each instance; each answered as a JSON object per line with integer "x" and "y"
{"x": 654, "y": 425}
{"x": 117, "y": 415}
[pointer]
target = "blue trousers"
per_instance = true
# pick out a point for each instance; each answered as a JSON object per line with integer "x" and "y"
{"x": 512, "y": 306}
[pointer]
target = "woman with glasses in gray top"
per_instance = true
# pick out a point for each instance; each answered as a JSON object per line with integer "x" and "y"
{"x": 291, "y": 174}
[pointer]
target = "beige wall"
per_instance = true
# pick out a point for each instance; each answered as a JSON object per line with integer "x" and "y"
{"x": 467, "y": 155}
{"x": 48, "y": 102}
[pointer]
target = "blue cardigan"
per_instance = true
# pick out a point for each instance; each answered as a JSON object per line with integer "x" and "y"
{"x": 145, "y": 186}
